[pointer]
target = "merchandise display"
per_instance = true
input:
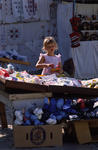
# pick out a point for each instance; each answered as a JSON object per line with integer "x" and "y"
{"x": 53, "y": 79}
{"x": 57, "y": 110}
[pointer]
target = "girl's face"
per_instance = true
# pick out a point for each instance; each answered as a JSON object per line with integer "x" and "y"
{"x": 51, "y": 48}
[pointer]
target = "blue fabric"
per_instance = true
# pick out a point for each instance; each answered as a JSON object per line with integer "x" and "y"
{"x": 33, "y": 117}
{"x": 45, "y": 116}
{"x": 36, "y": 122}
{"x": 67, "y": 104}
{"x": 60, "y": 103}
{"x": 46, "y": 101}
{"x": 52, "y": 106}
{"x": 52, "y": 116}
{"x": 27, "y": 114}
{"x": 27, "y": 123}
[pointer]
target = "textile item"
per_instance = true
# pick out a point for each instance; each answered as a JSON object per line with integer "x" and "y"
{"x": 51, "y": 121}
{"x": 38, "y": 112}
{"x": 4, "y": 73}
{"x": 7, "y": 11}
{"x": 37, "y": 122}
{"x": 17, "y": 9}
{"x": 81, "y": 103}
{"x": 67, "y": 105}
{"x": 27, "y": 123}
{"x": 12, "y": 48}
{"x": 10, "y": 68}
{"x": 82, "y": 69}
{"x": 44, "y": 5}
{"x": 52, "y": 106}
{"x": 1, "y": 17}
{"x": 15, "y": 33}
{"x": 19, "y": 117}
{"x": 64, "y": 13}
{"x": 73, "y": 117}
{"x": 27, "y": 114}
{"x": 3, "y": 36}
{"x": 45, "y": 116}
{"x": 60, "y": 103}
{"x": 54, "y": 31}
{"x": 33, "y": 117}
{"x": 75, "y": 21}
{"x": 53, "y": 10}
{"x": 46, "y": 100}
{"x": 30, "y": 9}
{"x": 7, "y": 7}
{"x": 75, "y": 38}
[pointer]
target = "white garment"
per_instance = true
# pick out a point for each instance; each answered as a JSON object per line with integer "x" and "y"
{"x": 3, "y": 35}
{"x": 44, "y": 9}
{"x": 1, "y": 19}
{"x": 64, "y": 14}
{"x": 85, "y": 58}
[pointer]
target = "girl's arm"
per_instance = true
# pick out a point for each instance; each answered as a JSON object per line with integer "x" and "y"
{"x": 41, "y": 63}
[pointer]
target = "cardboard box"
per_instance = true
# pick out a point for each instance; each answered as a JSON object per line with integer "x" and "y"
{"x": 86, "y": 130}
{"x": 38, "y": 136}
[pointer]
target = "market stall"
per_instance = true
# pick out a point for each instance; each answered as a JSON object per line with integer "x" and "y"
{"x": 38, "y": 105}
{"x": 20, "y": 95}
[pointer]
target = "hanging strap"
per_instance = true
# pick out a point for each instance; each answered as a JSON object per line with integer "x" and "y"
{"x": 74, "y": 1}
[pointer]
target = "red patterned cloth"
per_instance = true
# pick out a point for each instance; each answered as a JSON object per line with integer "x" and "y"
{"x": 75, "y": 39}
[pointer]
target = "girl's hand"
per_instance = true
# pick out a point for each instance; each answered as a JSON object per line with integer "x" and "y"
{"x": 50, "y": 65}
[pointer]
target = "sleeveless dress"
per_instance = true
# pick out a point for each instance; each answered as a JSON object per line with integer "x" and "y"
{"x": 50, "y": 60}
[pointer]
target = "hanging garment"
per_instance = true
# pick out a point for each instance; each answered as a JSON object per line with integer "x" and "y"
{"x": 44, "y": 9}
{"x": 30, "y": 9}
{"x": 86, "y": 60}
{"x": 17, "y": 9}
{"x": 7, "y": 11}
{"x": 1, "y": 19}
{"x": 3, "y": 36}
{"x": 75, "y": 38}
{"x": 64, "y": 13}
{"x": 75, "y": 21}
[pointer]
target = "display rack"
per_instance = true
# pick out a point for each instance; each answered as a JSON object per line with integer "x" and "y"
{"x": 6, "y": 60}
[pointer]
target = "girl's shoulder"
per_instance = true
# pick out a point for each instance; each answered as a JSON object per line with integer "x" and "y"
{"x": 42, "y": 55}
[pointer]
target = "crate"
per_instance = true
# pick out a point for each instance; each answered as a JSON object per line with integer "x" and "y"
{"x": 38, "y": 136}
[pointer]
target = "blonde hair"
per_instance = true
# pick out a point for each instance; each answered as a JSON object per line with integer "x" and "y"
{"x": 47, "y": 41}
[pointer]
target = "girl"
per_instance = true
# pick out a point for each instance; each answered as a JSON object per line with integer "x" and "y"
{"x": 49, "y": 62}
